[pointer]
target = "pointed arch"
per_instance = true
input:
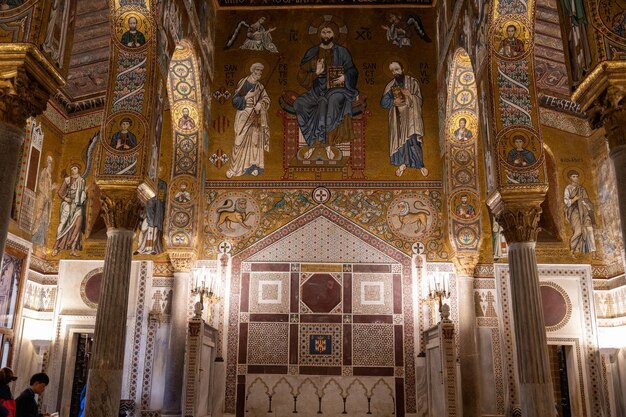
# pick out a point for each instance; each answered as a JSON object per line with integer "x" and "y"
{"x": 461, "y": 149}
{"x": 185, "y": 100}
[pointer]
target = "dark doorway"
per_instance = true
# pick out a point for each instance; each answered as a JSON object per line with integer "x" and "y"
{"x": 84, "y": 343}
{"x": 560, "y": 382}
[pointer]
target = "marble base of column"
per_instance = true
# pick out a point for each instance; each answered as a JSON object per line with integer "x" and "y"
{"x": 107, "y": 360}
{"x": 468, "y": 348}
{"x": 11, "y": 139}
{"x": 174, "y": 371}
{"x": 219, "y": 388}
{"x": 618, "y": 156}
{"x": 536, "y": 391}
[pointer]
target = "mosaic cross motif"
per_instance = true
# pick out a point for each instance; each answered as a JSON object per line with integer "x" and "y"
{"x": 225, "y": 247}
{"x": 321, "y": 195}
{"x": 418, "y": 248}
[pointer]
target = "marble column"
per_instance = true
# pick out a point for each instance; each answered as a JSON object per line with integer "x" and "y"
{"x": 519, "y": 214}
{"x": 468, "y": 346}
{"x": 11, "y": 139}
{"x": 27, "y": 80}
{"x": 174, "y": 368}
{"x": 121, "y": 215}
{"x": 615, "y": 126}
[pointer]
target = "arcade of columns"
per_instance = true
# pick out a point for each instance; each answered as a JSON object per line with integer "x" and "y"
{"x": 28, "y": 80}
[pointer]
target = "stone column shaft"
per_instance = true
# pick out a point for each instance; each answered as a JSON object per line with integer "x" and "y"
{"x": 615, "y": 126}
{"x": 11, "y": 139}
{"x": 536, "y": 392}
{"x": 174, "y": 368}
{"x": 107, "y": 362}
{"x": 468, "y": 348}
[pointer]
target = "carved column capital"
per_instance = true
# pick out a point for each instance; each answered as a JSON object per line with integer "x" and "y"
{"x": 27, "y": 80}
{"x": 121, "y": 209}
{"x": 182, "y": 261}
{"x": 465, "y": 264}
{"x": 603, "y": 96}
{"x": 518, "y": 212}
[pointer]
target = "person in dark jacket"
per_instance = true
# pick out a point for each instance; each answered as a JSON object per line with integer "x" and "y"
{"x": 6, "y": 377}
{"x": 26, "y": 405}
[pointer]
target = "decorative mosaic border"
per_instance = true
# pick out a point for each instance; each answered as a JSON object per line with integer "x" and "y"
{"x": 211, "y": 185}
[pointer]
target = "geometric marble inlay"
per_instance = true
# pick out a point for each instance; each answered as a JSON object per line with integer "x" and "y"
{"x": 372, "y": 293}
{"x": 268, "y": 343}
{"x": 269, "y": 292}
{"x": 321, "y": 293}
{"x": 373, "y": 345}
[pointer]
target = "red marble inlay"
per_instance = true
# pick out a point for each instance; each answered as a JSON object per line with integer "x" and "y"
{"x": 321, "y": 293}
{"x": 554, "y": 305}
{"x": 92, "y": 288}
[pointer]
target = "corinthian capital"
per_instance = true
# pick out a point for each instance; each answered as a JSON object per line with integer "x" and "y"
{"x": 121, "y": 209}
{"x": 518, "y": 212}
{"x": 465, "y": 263}
{"x": 27, "y": 80}
{"x": 182, "y": 261}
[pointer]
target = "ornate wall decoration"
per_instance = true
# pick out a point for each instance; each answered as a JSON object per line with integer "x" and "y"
{"x": 515, "y": 99}
{"x": 380, "y": 212}
{"x": 346, "y": 303}
{"x": 412, "y": 216}
{"x": 461, "y": 149}
{"x": 185, "y": 98}
{"x": 234, "y": 215}
{"x": 128, "y": 115}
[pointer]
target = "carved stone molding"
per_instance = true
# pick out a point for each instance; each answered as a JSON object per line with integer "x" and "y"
{"x": 27, "y": 80}
{"x": 182, "y": 261}
{"x": 465, "y": 264}
{"x": 518, "y": 212}
{"x": 615, "y": 127}
{"x": 121, "y": 210}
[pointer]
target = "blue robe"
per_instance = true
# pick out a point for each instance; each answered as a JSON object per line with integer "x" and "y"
{"x": 518, "y": 158}
{"x": 131, "y": 140}
{"x": 321, "y": 109}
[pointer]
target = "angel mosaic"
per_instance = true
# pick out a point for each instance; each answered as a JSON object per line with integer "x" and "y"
{"x": 399, "y": 32}
{"x": 257, "y": 37}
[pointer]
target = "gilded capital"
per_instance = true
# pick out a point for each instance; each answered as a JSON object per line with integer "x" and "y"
{"x": 182, "y": 261}
{"x": 121, "y": 209}
{"x": 518, "y": 212}
{"x": 27, "y": 80}
{"x": 465, "y": 264}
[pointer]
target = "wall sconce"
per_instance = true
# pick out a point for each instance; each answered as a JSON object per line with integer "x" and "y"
{"x": 207, "y": 285}
{"x": 438, "y": 289}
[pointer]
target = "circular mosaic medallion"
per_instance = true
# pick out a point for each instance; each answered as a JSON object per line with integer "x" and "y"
{"x": 320, "y": 195}
{"x": 464, "y": 205}
{"x": 412, "y": 216}
{"x": 557, "y": 308}
{"x": 520, "y": 150}
{"x": 133, "y": 30}
{"x": 234, "y": 215}
{"x": 90, "y": 288}
{"x": 511, "y": 39}
{"x": 462, "y": 128}
{"x": 124, "y": 132}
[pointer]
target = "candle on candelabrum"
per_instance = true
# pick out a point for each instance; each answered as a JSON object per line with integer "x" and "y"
{"x": 207, "y": 291}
